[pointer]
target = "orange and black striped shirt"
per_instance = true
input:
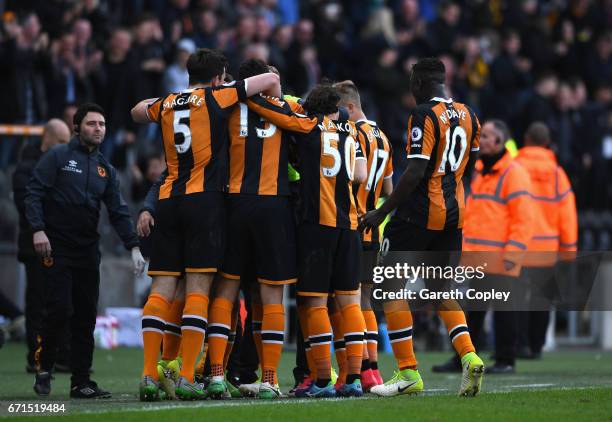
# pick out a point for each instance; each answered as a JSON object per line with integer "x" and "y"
{"x": 328, "y": 151}
{"x": 443, "y": 132}
{"x": 377, "y": 150}
{"x": 258, "y": 151}
{"x": 194, "y": 131}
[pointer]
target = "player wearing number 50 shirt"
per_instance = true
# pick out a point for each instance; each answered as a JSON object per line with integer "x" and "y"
{"x": 189, "y": 235}
{"x": 329, "y": 246}
{"x": 428, "y": 205}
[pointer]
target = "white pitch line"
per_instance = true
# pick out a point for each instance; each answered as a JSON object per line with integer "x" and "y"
{"x": 531, "y": 385}
{"x": 292, "y": 401}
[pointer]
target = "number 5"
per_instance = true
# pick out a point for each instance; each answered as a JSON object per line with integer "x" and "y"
{"x": 181, "y": 125}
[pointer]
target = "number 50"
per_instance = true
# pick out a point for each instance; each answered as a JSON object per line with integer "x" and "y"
{"x": 330, "y": 149}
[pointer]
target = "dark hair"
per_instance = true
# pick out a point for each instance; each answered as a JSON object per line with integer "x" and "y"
{"x": 82, "y": 111}
{"x": 252, "y": 67}
{"x": 323, "y": 99}
{"x": 205, "y": 64}
{"x": 429, "y": 71}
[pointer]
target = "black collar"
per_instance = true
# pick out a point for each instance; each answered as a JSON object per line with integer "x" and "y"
{"x": 75, "y": 143}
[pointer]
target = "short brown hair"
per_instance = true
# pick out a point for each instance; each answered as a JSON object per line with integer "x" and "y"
{"x": 348, "y": 92}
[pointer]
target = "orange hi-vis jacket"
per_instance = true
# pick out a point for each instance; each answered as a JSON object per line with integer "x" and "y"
{"x": 499, "y": 216}
{"x": 556, "y": 223}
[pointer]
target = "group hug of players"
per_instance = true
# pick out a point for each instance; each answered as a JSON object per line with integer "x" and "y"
{"x": 209, "y": 231}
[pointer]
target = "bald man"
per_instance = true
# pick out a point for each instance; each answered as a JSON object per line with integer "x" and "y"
{"x": 55, "y": 132}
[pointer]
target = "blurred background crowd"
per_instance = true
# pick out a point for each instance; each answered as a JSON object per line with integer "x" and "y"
{"x": 521, "y": 61}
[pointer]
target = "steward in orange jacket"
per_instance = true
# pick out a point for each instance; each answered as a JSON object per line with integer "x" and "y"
{"x": 555, "y": 235}
{"x": 555, "y": 222}
{"x": 497, "y": 230}
{"x": 499, "y": 212}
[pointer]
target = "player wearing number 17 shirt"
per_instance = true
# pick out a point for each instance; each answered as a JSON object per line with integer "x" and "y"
{"x": 189, "y": 234}
{"x": 428, "y": 205}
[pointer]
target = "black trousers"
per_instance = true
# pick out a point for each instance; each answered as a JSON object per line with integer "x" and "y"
{"x": 249, "y": 361}
{"x": 533, "y": 324}
{"x": 505, "y": 323}
{"x": 34, "y": 304}
{"x": 71, "y": 298}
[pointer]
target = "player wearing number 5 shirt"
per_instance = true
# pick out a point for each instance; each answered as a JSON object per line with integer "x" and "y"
{"x": 189, "y": 234}
{"x": 428, "y": 205}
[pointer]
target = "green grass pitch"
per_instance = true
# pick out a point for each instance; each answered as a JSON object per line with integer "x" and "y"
{"x": 574, "y": 385}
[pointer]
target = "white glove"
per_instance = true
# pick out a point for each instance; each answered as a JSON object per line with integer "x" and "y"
{"x": 138, "y": 261}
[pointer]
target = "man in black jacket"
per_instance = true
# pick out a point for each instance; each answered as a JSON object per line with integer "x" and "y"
{"x": 55, "y": 132}
{"x": 63, "y": 208}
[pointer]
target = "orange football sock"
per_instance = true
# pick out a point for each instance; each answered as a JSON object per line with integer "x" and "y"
{"x": 218, "y": 333}
{"x": 172, "y": 332}
{"x": 458, "y": 332}
{"x": 372, "y": 335}
{"x": 154, "y": 315}
{"x": 354, "y": 327}
{"x": 320, "y": 337}
{"x": 303, "y": 318}
{"x": 399, "y": 322}
{"x": 339, "y": 346}
{"x": 193, "y": 326}
{"x": 272, "y": 338}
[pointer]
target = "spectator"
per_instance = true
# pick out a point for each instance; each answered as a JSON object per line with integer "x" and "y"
{"x": 540, "y": 105}
{"x": 68, "y": 82}
{"x": 509, "y": 76}
{"x": 206, "y": 32}
{"x": 115, "y": 89}
{"x": 176, "y": 78}
{"x": 599, "y": 63}
{"x": 23, "y": 63}
{"x": 443, "y": 34}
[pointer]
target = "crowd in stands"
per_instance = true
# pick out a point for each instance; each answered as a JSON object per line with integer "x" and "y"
{"x": 521, "y": 61}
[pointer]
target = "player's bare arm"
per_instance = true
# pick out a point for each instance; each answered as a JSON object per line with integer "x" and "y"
{"x": 268, "y": 83}
{"x": 407, "y": 184}
{"x": 361, "y": 171}
{"x": 139, "y": 112}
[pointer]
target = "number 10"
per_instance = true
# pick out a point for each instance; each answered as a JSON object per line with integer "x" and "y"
{"x": 449, "y": 149}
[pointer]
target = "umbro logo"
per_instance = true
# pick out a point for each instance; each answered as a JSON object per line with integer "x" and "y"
{"x": 87, "y": 391}
{"x": 72, "y": 166}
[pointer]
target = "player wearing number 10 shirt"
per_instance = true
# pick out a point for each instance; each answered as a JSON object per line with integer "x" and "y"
{"x": 429, "y": 203}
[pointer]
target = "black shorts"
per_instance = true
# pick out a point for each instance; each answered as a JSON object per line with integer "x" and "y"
{"x": 328, "y": 260}
{"x": 261, "y": 230}
{"x": 369, "y": 260}
{"x": 401, "y": 235}
{"x": 189, "y": 234}
{"x": 406, "y": 243}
